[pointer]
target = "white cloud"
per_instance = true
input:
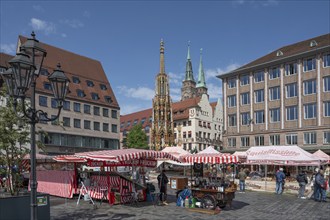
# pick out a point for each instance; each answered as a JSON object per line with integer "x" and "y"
{"x": 86, "y": 14}
{"x": 131, "y": 108}
{"x": 40, "y": 25}
{"x": 212, "y": 73}
{"x": 256, "y": 3}
{"x": 8, "y": 48}
{"x": 38, "y": 8}
{"x": 74, "y": 23}
{"x": 214, "y": 90}
{"x": 142, "y": 93}
{"x": 63, "y": 35}
{"x": 176, "y": 78}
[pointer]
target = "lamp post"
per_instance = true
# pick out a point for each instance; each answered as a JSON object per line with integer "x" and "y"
{"x": 21, "y": 77}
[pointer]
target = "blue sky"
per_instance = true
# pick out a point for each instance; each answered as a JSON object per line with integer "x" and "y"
{"x": 124, "y": 36}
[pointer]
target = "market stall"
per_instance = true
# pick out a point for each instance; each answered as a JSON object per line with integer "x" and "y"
{"x": 108, "y": 183}
{"x": 215, "y": 190}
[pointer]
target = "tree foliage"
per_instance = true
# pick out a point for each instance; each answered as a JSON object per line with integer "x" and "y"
{"x": 137, "y": 138}
{"x": 14, "y": 134}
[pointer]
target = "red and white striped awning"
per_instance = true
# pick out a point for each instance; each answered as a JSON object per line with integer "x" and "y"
{"x": 119, "y": 155}
{"x": 69, "y": 158}
{"x": 210, "y": 158}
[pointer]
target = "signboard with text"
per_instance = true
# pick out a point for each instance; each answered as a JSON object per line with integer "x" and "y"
{"x": 139, "y": 162}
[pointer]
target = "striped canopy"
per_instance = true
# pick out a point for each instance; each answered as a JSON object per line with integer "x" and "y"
{"x": 69, "y": 158}
{"x": 120, "y": 155}
{"x": 213, "y": 158}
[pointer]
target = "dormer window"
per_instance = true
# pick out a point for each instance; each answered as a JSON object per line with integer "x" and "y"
{"x": 75, "y": 80}
{"x": 103, "y": 87}
{"x": 313, "y": 43}
{"x": 89, "y": 83}
{"x": 44, "y": 72}
{"x": 95, "y": 96}
{"x": 108, "y": 99}
{"x": 80, "y": 93}
{"x": 47, "y": 86}
{"x": 279, "y": 53}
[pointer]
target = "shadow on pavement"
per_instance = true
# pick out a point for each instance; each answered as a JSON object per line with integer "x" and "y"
{"x": 236, "y": 205}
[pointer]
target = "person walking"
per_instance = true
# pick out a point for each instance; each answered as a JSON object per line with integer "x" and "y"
{"x": 162, "y": 185}
{"x": 302, "y": 180}
{"x": 321, "y": 185}
{"x": 242, "y": 176}
{"x": 280, "y": 178}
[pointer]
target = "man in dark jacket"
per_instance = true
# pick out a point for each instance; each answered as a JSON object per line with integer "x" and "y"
{"x": 162, "y": 184}
{"x": 302, "y": 180}
{"x": 321, "y": 186}
{"x": 280, "y": 178}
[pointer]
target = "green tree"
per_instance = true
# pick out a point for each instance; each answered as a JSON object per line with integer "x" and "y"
{"x": 14, "y": 134}
{"x": 137, "y": 138}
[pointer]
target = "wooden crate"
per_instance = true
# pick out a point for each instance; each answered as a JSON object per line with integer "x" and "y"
{"x": 178, "y": 182}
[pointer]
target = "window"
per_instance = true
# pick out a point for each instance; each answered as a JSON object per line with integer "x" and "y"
{"x": 75, "y": 80}
{"x": 274, "y": 93}
{"x": 232, "y": 101}
{"x": 290, "y": 69}
{"x": 274, "y": 73}
{"x": 105, "y": 112}
{"x": 259, "y": 117}
{"x": 326, "y": 137}
{"x": 87, "y": 124}
{"x": 310, "y": 111}
{"x": 80, "y": 93}
{"x": 47, "y": 86}
{"x": 291, "y": 139}
{"x": 259, "y": 76}
{"x": 245, "y": 80}
{"x": 76, "y": 123}
{"x": 309, "y": 64}
{"x": 96, "y": 110}
{"x": 326, "y": 82}
{"x": 114, "y": 114}
{"x": 231, "y": 142}
{"x": 54, "y": 103}
{"x": 103, "y": 87}
{"x": 89, "y": 83}
{"x": 43, "y": 119}
{"x": 326, "y": 60}
{"x": 291, "y": 90}
{"x": 310, "y": 87}
{"x": 259, "y": 141}
{"x": 96, "y": 126}
{"x": 135, "y": 122}
{"x": 245, "y": 98}
{"x": 245, "y": 117}
{"x": 274, "y": 115}
{"x": 95, "y": 96}
{"x": 310, "y": 138}
{"x": 274, "y": 139}
{"x": 326, "y": 109}
{"x": 245, "y": 141}
{"x": 66, "y": 105}
{"x": 76, "y": 107}
{"x": 43, "y": 101}
{"x": 108, "y": 99}
{"x": 44, "y": 72}
{"x": 150, "y": 119}
{"x": 66, "y": 122}
{"x": 259, "y": 96}
{"x": 87, "y": 109}
{"x": 128, "y": 124}
{"x": 114, "y": 128}
{"x": 232, "y": 120}
{"x": 232, "y": 83}
{"x": 189, "y": 123}
{"x": 291, "y": 113}
{"x": 55, "y": 122}
{"x": 106, "y": 127}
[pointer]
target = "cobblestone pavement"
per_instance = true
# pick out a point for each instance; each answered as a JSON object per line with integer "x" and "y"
{"x": 250, "y": 205}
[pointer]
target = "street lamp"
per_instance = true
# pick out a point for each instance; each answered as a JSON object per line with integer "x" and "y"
{"x": 21, "y": 77}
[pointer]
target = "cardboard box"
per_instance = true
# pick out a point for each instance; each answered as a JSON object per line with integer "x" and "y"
{"x": 178, "y": 183}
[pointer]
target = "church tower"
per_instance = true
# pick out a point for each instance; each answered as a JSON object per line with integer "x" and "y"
{"x": 201, "y": 84}
{"x": 188, "y": 89}
{"x": 162, "y": 124}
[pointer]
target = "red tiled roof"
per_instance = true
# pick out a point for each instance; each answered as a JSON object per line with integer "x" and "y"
{"x": 180, "y": 111}
{"x": 4, "y": 58}
{"x": 288, "y": 51}
{"x": 76, "y": 65}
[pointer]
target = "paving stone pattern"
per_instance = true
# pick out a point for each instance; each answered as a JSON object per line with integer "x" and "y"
{"x": 250, "y": 205}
